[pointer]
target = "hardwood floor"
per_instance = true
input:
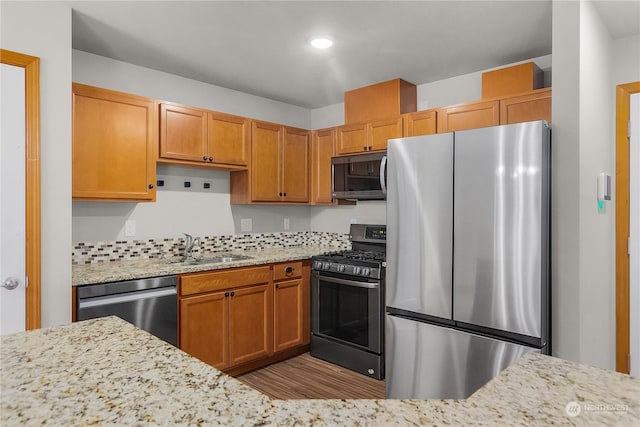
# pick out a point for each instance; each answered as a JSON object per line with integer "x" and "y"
{"x": 305, "y": 377}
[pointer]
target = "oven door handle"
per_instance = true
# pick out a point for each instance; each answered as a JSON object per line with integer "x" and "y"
{"x": 368, "y": 285}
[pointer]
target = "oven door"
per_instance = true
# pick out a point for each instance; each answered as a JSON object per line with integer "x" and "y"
{"x": 347, "y": 310}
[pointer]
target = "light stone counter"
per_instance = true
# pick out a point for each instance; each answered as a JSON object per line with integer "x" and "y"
{"x": 136, "y": 269}
{"x": 106, "y": 372}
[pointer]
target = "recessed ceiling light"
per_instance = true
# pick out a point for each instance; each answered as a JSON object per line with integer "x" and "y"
{"x": 321, "y": 42}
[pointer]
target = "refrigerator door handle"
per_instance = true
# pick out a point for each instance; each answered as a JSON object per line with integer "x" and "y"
{"x": 383, "y": 170}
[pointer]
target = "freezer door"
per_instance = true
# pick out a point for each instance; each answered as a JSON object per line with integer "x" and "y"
{"x": 425, "y": 361}
{"x": 500, "y": 221}
{"x": 419, "y": 224}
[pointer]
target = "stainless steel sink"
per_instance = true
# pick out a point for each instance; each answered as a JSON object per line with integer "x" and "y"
{"x": 210, "y": 260}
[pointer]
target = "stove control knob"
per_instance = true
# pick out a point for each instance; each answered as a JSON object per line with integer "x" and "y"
{"x": 366, "y": 271}
{"x": 356, "y": 270}
{"x": 317, "y": 265}
{"x": 341, "y": 268}
{"x": 326, "y": 265}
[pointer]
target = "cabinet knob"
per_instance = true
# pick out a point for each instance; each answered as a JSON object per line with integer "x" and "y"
{"x": 288, "y": 270}
{"x": 210, "y": 159}
{"x": 150, "y": 186}
{"x": 204, "y": 158}
{"x": 233, "y": 294}
{"x": 277, "y": 285}
{"x": 226, "y": 294}
{"x": 284, "y": 194}
{"x": 365, "y": 148}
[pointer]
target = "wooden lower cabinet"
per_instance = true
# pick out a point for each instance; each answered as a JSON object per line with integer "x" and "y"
{"x": 204, "y": 328}
{"x": 250, "y": 327}
{"x": 237, "y": 328}
{"x": 291, "y": 304}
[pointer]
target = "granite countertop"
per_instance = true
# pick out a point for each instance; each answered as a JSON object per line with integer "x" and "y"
{"x": 84, "y": 274}
{"x": 106, "y": 371}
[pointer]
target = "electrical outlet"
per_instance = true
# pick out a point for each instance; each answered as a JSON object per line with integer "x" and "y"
{"x": 287, "y": 225}
{"x": 246, "y": 224}
{"x": 130, "y": 228}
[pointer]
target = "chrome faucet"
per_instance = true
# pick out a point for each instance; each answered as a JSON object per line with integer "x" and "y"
{"x": 189, "y": 244}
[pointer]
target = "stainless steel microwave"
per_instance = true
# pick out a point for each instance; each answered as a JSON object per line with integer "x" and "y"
{"x": 360, "y": 176}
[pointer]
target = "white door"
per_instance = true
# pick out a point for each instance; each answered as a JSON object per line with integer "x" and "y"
{"x": 12, "y": 199}
{"x": 634, "y": 234}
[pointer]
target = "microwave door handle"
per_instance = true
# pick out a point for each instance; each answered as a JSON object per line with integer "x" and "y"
{"x": 383, "y": 169}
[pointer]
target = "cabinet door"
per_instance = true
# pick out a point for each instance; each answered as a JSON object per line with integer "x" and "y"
{"x": 322, "y": 149}
{"x": 287, "y": 314}
{"x": 525, "y": 108}
{"x": 228, "y": 139}
{"x": 382, "y": 130}
{"x": 352, "y": 139}
{"x": 469, "y": 116}
{"x": 183, "y": 133}
{"x": 420, "y": 123}
{"x": 250, "y": 324}
{"x": 295, "y": 162}
{"x": 266, "y": 167}
{"x": 204, "y": 328}
{"x": 114, "y": 144}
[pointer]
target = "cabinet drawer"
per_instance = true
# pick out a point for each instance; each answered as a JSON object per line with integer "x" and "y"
{"x": 224, "y": 279}
{"x": 287, "y": 270}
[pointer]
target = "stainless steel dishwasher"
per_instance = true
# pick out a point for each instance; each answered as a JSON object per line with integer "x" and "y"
{"x": 150, "y": 304}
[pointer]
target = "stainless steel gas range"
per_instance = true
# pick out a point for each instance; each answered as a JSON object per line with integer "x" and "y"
{"x": 347, "y": 303}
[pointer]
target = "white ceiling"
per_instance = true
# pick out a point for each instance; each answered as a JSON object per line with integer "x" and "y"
{"x": 260, "y": 47}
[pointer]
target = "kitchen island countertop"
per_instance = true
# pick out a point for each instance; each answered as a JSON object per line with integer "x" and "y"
{"x": 84, "y": 274}
{"x": 105, "y": 371}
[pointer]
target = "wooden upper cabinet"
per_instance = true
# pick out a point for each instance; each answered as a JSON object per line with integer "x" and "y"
{"x": 183, "y": 133}
{"x": 470, "y": 115}
{"x": 352, "y": 139}
{"x": 189, "y": 135}
{"x": 379, "y": 101}
{"x": 295, "y": 165}
{"x": 513, "y": 80}
{"x": 228, "y": 139}
{"x": 266, "y": 166}
{"x": 535, "y": 105}
{"x": 279, "y": 172}
{"x": 322, "y": 149}
{"x": 382, "y": 130}
{"x": 420, "y": 123}
{"x": 114, "y": 144}
{"x": 370, "y": 136}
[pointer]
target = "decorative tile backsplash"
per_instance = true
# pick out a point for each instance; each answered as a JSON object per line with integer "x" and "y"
{"x": 95, "y": 252}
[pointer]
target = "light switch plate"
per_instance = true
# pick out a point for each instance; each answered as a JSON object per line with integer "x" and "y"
{"x": 246, "y": 224}
{"x": 130, "y": 228}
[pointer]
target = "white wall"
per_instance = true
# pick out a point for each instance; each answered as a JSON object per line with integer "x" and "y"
{"x": 177, "y": 210}
{"x": 105, "y": 72}
{"x": 43, "y": 29}
{"x": 596, "y": 263}
{"x": 626, "y": 60}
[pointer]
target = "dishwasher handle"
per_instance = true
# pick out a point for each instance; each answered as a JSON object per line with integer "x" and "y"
{"x": 121, "y": 298}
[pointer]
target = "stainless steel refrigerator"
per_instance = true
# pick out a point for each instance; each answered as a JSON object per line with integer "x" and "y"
{"x": 467, "y": 278}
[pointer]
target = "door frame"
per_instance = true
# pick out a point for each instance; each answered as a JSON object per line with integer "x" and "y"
{"x": 31, "y": 65}
{"x": 623, "y": 98}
